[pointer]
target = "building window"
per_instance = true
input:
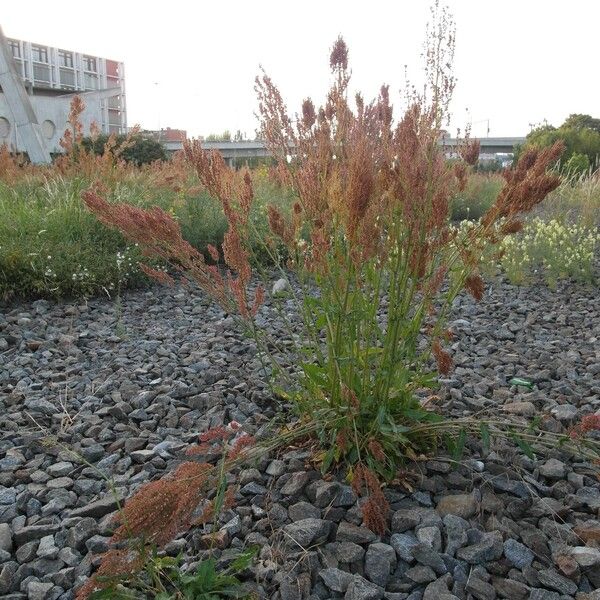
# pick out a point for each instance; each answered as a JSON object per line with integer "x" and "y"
{"x": 89, "y": 63}
{"x": 40, "y": 53}
{"x": 90, "y": 81}
{"x": 65, "y": 58}
{"x": 15, "y": 48}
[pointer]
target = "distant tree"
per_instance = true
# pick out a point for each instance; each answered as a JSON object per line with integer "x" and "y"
{"x": 142, "y": 151}
{"x": 577, "y": 121}
{"x": 579, "y": 133}
{"x": 239, "y": 136}
{"x": 578, "y": 164}
{"x": 219, "y": 137}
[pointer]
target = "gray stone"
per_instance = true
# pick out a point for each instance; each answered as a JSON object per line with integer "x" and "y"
{"x": 551, "y": 579}
{"x": 280, "y": 286}
{"x": 27, "y": 552}
{"x": 541, "y": 594}
{"x": 60, "y": 469}
{"x": 438, "y": 589}
{"x": 295, "y": 587}
{"x": 47, "y": 548}
{"x": 5, "y": 537}
{"x": 421, "y": 574}
{"x": 306, "y": 532}
{"x": 553, "y": 469}
{"x": 98, "y": 544}
{"x": 585, "y": 556}
{"x": 323, "y": 493}
{"x": 403, "y": 544}
{"x": 336, "y": 579}
{"x": 7, "y": 495}
{"x": 510, "y": 589}
{"x": 37, "y": 590}
{"x": 361, "y": 589}
{"x": 276, "y": 468}
{"x": 295, "y": 484}
{"x": 33, "y": 532}
{"x": 92, "y": 453}
{"x": 456, "y": 533}
{"x": 7, "y": 573}
{"x": 461, "y": 505}
{"x": 518, "y": 554}
{"x": 427, "y": 556}
{"x": 98, "y": 508}
{"x": 489, "y": 548}
{"x": 380, "y": 561}
{"x": 80, "y": 532}
{"x": 565, "y": 412}
{"x": 405, "y": 519}
{"x": 480, "y": 589}
{"x": 142, "y": 456}
{"x": 349, "y": 552}
{"x": 303, "y": 510}
{"x": 348, "y": 532}
{"x": 430, "y": 536}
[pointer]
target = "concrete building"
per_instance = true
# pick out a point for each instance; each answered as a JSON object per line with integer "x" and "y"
{"x": 37, "y": 84}
{"x": 171, "y": 139}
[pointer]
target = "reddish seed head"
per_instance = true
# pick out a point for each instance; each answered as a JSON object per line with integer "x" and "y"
{"x": 309, "y": 116}
{"x": 475, "y": 286}
{"x": 338, "y": 60}
{"x": 443, "y": 359}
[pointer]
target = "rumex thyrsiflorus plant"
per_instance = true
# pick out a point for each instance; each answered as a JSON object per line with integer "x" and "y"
{"x": 375, "y": 261}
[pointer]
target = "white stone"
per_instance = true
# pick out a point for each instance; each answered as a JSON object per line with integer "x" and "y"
{"x": 279, "y": 286}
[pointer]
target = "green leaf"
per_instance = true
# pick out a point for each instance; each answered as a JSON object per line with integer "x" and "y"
{"x": 525, "y": 447}
{"x": 328, "y": 459}
{"x": 484, "y": 430}
{"x": 244, "y": 559}
{"x": 459, "y": 445}
{"x": 315, "y": 373}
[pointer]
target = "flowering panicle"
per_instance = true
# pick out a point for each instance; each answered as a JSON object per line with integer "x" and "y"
{"x": 72, "y": 137}
{"x": 235, "y": 192}
{"x": 159, "y": 510}
{"x": 376, "y": 508}
{"x": 475, "y": 286}
{"x": 469, "y": 151}
{"x": 443, "y": 359}
{"x": 527, "y": 184}
{"x": 159, "y": 235}
{"x": 114, "y": 563}
{"x": 588, "y": 423}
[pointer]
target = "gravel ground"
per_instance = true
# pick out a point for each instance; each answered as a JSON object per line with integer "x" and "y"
{"x": 128, "y": 391}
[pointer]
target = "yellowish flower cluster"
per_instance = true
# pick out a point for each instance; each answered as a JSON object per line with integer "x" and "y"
{"x": 558, "y": 250}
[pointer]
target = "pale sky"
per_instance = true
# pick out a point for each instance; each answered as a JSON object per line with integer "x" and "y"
{"x": 191, "y": 64}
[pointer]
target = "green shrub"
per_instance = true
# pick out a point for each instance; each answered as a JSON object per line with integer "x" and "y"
{"x": 479, "y": 194}
{"x": 51, "y": 246}
{"x": 141, "y": 150}
{"x": 578, "y": 164}
{"x": 579, "y": 135}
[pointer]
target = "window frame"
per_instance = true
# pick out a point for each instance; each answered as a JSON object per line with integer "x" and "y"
{"x": 90, "y": 60}
{"x": 40, "y": 51}
{"x": 64, "y": 57}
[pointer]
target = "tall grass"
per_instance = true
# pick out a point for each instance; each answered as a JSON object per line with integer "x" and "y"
{"x": 576, "y": 200}
{"x": 479, "y": 194}
{"x": 51, "y": 246}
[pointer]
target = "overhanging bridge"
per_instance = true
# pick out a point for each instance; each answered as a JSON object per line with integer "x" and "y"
{"x": 258, "y": 149}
